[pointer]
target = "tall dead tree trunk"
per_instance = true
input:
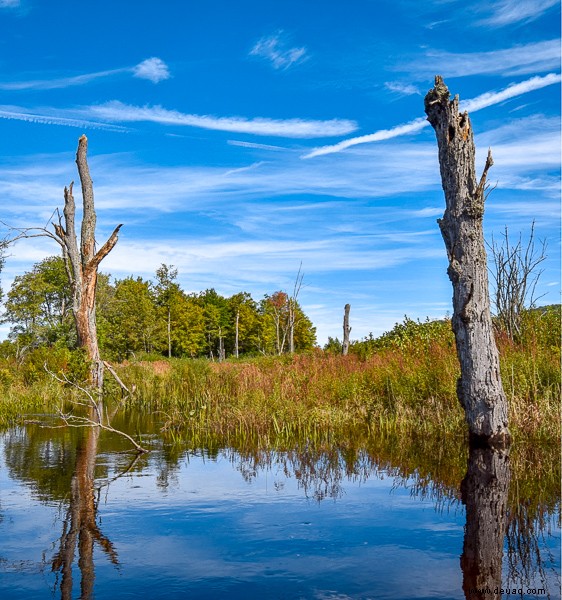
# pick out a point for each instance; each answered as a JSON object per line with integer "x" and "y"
{"x": 82, "y": 262}
{"x": 346, "y": 330}
{"x": 479, "y": 388}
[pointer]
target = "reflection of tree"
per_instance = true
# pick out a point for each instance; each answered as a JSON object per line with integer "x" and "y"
{"x": 80, "y": 528}
{"x": 484, "y": 493}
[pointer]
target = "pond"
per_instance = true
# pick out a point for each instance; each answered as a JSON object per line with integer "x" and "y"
{"x": 79, "y": 518}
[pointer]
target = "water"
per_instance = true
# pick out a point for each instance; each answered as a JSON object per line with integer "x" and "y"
{"x": 79, "y": 519}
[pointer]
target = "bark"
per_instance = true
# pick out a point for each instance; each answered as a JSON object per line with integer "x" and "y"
{"x": 237, "y": 333}
{"x": 82, "y": 262}
{"x": 479, "y": 388}
{"x": 169, "y": 332}
{"x": 484, "y": 492}
{"x": 346, "y": 330}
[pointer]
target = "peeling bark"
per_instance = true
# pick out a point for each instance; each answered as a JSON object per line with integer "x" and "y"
{"x": 82, "y": 262}
{"x": 479, "y": 388}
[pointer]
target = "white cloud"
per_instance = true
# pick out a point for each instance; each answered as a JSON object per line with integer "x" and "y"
{"x": 508, "y": 12}
{"x": 516, "y": 89}
{"x": 293, "y": 128}
{"x": 404, "y": 89}
{"x": 519, "y": 60}
{"x": 9, "y": 3}
{"x": 276, "y": 50}
{"x": 255, "y": 146}
{"x": 63, "y": 82}
{"x": 483, "y": 101}
{"x": 154, "y": 69}
{"x": 383, "y": 134}
{"x": 19, "y": 113}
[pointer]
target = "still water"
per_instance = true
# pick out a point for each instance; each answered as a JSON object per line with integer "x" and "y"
{"x": 81, "y": 519}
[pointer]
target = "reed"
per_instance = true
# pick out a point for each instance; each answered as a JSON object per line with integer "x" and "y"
{"x": 404, "y": 382}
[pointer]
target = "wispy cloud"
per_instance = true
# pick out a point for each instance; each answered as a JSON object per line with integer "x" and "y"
{"x": 63, "y": 82}
{"x": 153, "y": 69}
{"x": 508, "y": 12}
{"x": 292, "y": 128}
{"x": 9, "y": 3}
{"x": 483, "y": 101}
{"x": 404, "y": 89}
{"x": 516, "y": 89}
{"x": 255, "y": 146}
{"x": 277, "y": 51}
{"x": 18, "y": 113}
{"x": 519, "y": 60}
{"x": 383, "y": 134}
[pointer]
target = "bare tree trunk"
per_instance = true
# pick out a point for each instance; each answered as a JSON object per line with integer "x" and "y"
{"x": 479, "y": 388}
{"x": 292, "y": 308}
{"x": 82, "y": 263}
{"x": 346, "y": 330}
{"x": 237, "y": 332}
{"x": 222, "y": 353}
{"x": 169, "y": 332}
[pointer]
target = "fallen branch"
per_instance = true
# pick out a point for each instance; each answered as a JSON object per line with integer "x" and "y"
{"x": 78, "y": 421}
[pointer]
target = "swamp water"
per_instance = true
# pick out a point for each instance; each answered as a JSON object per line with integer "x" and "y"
{"x": 79, "y": 518}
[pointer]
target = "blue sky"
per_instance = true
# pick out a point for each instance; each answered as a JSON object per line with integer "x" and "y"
{"x": 236, "y": 140}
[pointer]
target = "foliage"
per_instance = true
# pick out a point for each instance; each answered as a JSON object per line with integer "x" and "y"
{"x": 415, "y": 336}
{"x": 39, "y": 304}
{"x": 139, "y": 316}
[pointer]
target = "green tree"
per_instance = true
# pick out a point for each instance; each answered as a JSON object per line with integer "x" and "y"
{"x": 167, "y": 291}
{"x": 188, "y": 330}
{"x": 133, "y": 320}
{"x": 243, "y": 318}
{"x": 282, "y": 318}
{"x": 39, "y": 305}
{"x": 215, "y": 308}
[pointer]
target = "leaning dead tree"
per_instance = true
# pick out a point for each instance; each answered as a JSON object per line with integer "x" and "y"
{"x": 346, "y": 330}
{"x": 81, "y": 261}
{"x": 479, "y": 388}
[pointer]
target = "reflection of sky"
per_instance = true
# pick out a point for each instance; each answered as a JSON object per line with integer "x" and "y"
{"x": 210, "y": 533}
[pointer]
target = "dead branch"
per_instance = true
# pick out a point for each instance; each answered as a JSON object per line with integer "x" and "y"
{"x": 80, "y": 421}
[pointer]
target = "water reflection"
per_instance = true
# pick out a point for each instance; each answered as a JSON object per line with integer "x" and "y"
{"x": 80, "y": 527}
{"x": 77, "y": 468}
{"x": 485, "y": 494}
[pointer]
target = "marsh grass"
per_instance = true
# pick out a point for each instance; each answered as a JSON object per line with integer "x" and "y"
{"x": 403, "y": 382}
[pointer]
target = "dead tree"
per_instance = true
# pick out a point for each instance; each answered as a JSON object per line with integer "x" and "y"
{"x": 82, "y": 261}
{"x": 515, "y": 274}
{"x": 292, "y": 309}
{"x": 479, "y": 388}
{"x": 346, "y": 330}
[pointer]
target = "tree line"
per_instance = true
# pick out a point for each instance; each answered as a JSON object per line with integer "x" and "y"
{"x": 136, "y": 315}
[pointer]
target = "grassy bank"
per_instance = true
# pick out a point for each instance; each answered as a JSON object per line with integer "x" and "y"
{"x": 402, "y": 382}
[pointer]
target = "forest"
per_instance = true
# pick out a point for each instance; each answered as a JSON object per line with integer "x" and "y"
{"x": 137, "y": 316}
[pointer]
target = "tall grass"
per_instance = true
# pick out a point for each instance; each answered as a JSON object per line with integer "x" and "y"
{"x": 403, "y": 382}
